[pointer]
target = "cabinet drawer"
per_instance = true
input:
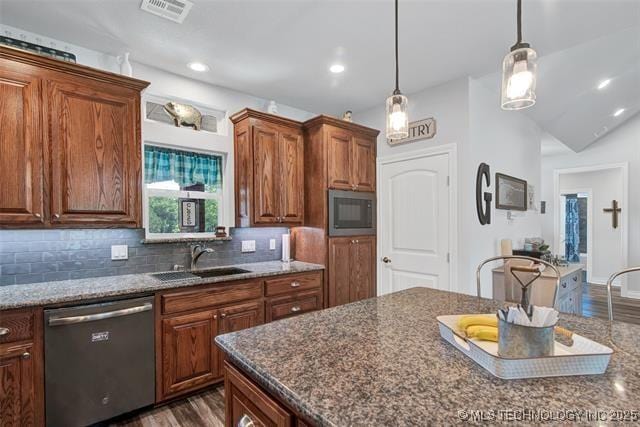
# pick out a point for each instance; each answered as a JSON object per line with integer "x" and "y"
{"x": 303, "y": 302}
{"x": 293, "y": 283}
{"x": 246, "y": 404}
{"x": 16, "y": 326}
{"x": 220, "y": 295}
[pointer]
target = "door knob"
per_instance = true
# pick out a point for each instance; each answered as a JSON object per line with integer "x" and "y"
{"x": 386, "y": 260}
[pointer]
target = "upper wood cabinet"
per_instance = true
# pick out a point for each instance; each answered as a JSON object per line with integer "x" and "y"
{"x": 363, "y": 164}
{"x": 339, "y": 153}
{"x": 269, "y": 167}
{"x": 73, "y": 133}
{"x": 21, "y": 151}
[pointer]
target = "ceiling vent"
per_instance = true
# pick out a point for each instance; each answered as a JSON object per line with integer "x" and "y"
{"x": 174, "y": 10}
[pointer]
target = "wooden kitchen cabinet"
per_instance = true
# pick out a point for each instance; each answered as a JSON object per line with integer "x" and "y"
{"x": 364, "y": 163}
{"x": 241, "y": 316}
{"x": 70, "y": 144}
{"x": 351, "y": 269}
{"x": 17, "y": 392}
{"x": 21, "y": 150}
{"x": 247, "y": 405}
{"x": 189, "y": 358}
{"x": 352, "y": 160}
{"x": 95, "y": 152}
{"x": 21, "y": 362}
{"x": 340, "y": 154}
{"x": 269, "y": 165}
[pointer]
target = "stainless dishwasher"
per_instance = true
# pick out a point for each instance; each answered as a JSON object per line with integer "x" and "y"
{"x": 99, "y": 361}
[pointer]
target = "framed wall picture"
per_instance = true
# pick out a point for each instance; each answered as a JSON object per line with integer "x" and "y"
{"x": 511, "y": 193}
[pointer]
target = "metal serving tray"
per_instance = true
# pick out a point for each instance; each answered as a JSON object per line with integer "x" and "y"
{"x": 584, "y": 357}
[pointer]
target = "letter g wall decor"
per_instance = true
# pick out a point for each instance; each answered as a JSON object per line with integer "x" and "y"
{"x": 484, "y": 212}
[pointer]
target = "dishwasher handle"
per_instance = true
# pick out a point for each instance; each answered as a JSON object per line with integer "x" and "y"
{"x": 60, "y": 321}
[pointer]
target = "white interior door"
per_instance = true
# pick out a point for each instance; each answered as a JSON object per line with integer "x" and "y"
{"x": 414, "y": 224}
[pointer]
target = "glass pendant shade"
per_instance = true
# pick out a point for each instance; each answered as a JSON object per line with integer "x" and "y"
{"x": 397, "y": 117}
{"x": 519, "y": 79}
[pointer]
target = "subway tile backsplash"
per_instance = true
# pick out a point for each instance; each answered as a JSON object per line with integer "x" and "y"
{"x": 30, "y": 256}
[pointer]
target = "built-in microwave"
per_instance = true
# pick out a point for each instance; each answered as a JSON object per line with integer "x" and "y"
{"x": 351, "y": 213}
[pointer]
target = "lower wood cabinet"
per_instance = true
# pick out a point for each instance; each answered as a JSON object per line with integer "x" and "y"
{"x": 247, "y": 405}
{"x": 351, "y": 269}
{"x": 190, "y": 319}
{"x": 21, "y": 377}
{"x": 189, "y": 358}
{"x": 17, "y": 392}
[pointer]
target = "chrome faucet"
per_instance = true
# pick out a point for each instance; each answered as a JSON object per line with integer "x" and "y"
{"x": 196, "y": 252}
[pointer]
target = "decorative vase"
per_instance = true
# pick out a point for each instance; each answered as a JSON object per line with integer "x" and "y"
{"x": 125, "y": 65}
{"x": 272, "y": 108}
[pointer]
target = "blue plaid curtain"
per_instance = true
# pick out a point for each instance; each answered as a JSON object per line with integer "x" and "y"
{"x": 572, "y": 230}
{"x": 185, "y": 168}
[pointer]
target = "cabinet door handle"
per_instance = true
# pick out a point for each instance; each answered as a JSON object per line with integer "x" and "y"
{"x": 215, "y": 316}
{"x": 26, "y": 355}
{"x": 295, "y": 309}
{"x": 295, "y": 284}
{"x": 56, "y": 216}
{"x": 223, "y": 315}
{"x": 246, "y": 421}
{"x": 4, "y": 331}
{"x": 353, "y": 242}
{"x": 37, "y": 215}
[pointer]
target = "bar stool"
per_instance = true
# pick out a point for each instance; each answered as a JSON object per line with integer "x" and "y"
{"x": 610, "y": 283}
{"x": 526, "y": 269}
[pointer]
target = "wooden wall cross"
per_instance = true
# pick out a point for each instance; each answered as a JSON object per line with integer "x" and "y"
{"x": 614, "y": 210}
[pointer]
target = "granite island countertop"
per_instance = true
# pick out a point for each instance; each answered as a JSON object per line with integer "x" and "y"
{"x": 49, "y": 293}
{"x": 382, "y": 362}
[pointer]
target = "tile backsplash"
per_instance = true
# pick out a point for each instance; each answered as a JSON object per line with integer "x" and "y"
{"x": 30, "y": 256}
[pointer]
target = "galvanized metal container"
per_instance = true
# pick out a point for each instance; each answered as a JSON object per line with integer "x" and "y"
{"x": 518, "y": 342}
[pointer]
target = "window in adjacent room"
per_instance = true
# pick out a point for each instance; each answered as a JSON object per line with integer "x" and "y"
{"x": 183, "y": 193}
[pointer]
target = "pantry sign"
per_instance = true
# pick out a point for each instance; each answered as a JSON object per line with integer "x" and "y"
{"x": 422, "y": 129}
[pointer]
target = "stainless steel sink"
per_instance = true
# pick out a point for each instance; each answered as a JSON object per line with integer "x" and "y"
{"x": 217, "y": 272}
{"x": 171, "y": 276}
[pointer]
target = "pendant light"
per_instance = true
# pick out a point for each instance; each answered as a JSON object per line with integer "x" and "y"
{"x": 519, "y": 73}
{"x": 397, "y": 118}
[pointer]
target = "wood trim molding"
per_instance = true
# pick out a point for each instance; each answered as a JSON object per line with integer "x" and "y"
{"x": 272, "y": 118}
{"x": 71, "y": 68}
{"x": 328, "y": 120}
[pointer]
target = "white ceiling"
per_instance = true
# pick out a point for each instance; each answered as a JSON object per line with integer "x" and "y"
{"x": 282, "y": 49}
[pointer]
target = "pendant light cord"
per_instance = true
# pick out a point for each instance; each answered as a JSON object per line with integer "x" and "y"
{"x": 397, "y": 91}
{"x": 519, "y": 22}
{"x": 519, "y": 44}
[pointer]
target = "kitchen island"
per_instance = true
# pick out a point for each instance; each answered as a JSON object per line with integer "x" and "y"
{"x": 382, "y": 362}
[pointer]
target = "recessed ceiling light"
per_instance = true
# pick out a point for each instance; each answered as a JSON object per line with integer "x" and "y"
{"x": 604, "y": 84}
{"x": 198, "y": 66}
{"x": 618, "y": 112}
{"x": 336, "y": 68}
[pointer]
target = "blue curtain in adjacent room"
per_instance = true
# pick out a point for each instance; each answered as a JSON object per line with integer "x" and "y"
{"x": 572, "y": 230}
{"x": 185, "y": 168}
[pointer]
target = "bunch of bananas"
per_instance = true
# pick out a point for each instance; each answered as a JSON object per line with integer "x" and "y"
{"x": 480, "y": 326}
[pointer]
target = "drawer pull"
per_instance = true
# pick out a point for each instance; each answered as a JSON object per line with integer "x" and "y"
{"x": 26, "y": 355}
{"x": 246, "y": 421}
{"x": 295, "y": 284}
{"x": 4, "y": 331}
{"x": 295, "y": 309}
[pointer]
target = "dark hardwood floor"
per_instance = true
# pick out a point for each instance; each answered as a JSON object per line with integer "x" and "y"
{"x": 205, "y": 409}
{"x": 594, "y": 304}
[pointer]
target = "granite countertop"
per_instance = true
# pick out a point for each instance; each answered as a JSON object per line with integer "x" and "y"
{"x": 548, "y": 272}
{"x": 382, "y": 362}
{"x": 48, "y": 293}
